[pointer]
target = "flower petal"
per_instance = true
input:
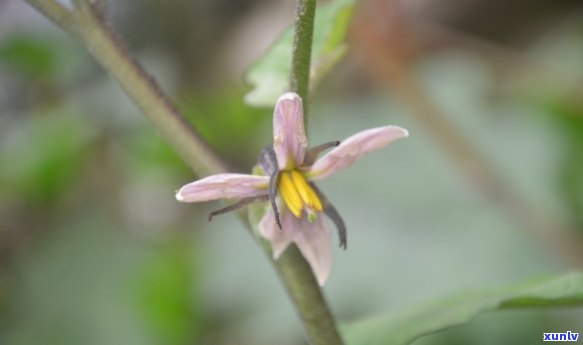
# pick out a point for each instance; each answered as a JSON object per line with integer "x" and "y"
{"x": 289, "y": 136}
{"x": 223, "y": 186}
{"x": 352, "y": 148}
{"x": 279, "y": 238}
{"x": 313, "y": 240}
{"x": 315, "y": 243}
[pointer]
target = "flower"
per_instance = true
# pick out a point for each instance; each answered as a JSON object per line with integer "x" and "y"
{"x": 288, "y": 171}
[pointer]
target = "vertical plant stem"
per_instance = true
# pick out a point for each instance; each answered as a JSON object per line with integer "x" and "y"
{"x": 298, "y": 278}
{"x": 293, "y": 269}
{"x": 85, "y": 24}
{"x": 302, "y": 50}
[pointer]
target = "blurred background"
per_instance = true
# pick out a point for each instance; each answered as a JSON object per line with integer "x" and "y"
{"x": 488, "y": 189}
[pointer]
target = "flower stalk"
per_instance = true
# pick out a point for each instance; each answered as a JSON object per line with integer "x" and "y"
{"x": 302, "y": 50}
{"x": 294, "y": 271}
{"x": 310, "y": 304}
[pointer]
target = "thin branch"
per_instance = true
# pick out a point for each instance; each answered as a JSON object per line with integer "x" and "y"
{"x": 109, "y": 52}
{"x": 55, "y": 12}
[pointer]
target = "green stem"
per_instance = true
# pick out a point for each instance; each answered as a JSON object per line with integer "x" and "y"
{"x": 302, "y": 287}
{"x": 294, "y": 271}
{"x": 87, "y": 26}
{"x": 302, "y": 50}
{"x": 55, "y": 12}
{"x": 137, "y": 84}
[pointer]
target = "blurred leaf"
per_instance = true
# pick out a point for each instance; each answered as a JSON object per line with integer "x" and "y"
{"x": 269, "y": 76}
{"x": 228, "y": 125}
{"x": 163, "y": 290}
{"x": 146, "y": 152}
{"x": 31, "y": 56}
{"x": 568, "y": 116}
{"x": 405, "y": 327}
{"x": 42, "y": 158}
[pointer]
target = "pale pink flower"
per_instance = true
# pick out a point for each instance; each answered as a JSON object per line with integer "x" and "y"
{"x": 288, "y": 169}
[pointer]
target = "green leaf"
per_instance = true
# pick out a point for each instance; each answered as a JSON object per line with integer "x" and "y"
{"x": 269, "y": 76}
{"x": 405, "y": 327}
{"x": 164, "y": 289}
{"x": 40, "y": 163}
{"x": 567, "y": 115}
{"x": 34, "y": 57}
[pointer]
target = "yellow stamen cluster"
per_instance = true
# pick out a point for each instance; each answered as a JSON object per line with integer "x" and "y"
{"x": 297, "y": 194}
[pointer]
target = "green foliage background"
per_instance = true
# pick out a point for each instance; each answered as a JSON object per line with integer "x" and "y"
{"x": 95, "y": 250}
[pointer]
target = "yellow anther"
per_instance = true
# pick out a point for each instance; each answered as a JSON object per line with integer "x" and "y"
{"x": 290, "y": 195}
{"x": 306, "y": 192}
{"x": 298, "y": 194}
